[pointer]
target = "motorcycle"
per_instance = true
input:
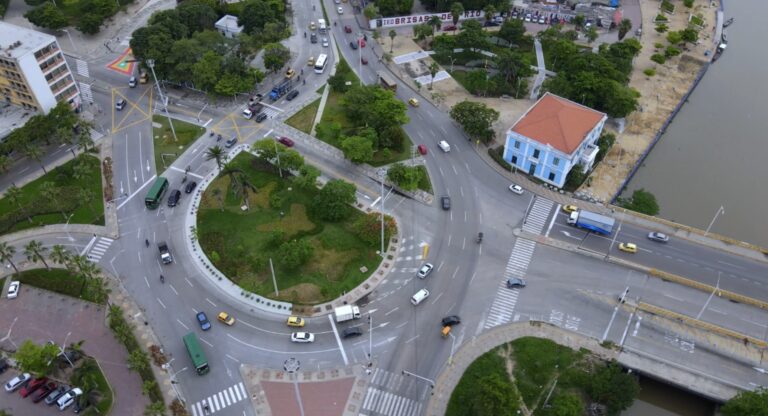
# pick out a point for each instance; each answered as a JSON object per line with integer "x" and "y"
{"x": 479, "y": 238}
{"x": 218, "y": 138}
{"x": 162, "y": 279}
{"x": 146, "y": 242}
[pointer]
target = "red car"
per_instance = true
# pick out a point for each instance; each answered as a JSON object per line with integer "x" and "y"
{"x": 347, "y": 29}
{"x": 44, "y": 391}
{"x": 362, "y": 43}
{"x": 450, "y": 27}
{"x": 285, "y": 141}
{"x": 363, "y": 61}
{"x": 32, "y": 386}
{"x": 422, "y": 149}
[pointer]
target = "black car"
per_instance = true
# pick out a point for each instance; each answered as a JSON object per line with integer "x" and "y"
{"x": 3, "y": 365}
{"x": 231, "y": 142}
{"x": 351, "y": 332}
{"x": 261, "y": 117}
{"x": 51, "y": 398}
{"x": 293, "y": 94}
{"x": 353, "y": 45}
{"x": 313, "y": 38}
{"x": 190, "y": 187}
{"x": 451, "y": 320}
{"x": 174, "y": 197}
{"x": 446, "y": 202}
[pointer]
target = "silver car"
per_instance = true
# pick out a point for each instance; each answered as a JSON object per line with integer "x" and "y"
{"x": 659, "y": 237}
{"x": 514, "y": 282}
{"x": 425, "y": 270}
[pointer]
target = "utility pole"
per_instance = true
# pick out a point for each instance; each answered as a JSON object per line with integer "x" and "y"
{"x": 163, "y": 98}
{"x": 382, "y": 174}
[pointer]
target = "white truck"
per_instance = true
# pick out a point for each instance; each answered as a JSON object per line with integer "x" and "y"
{"x": 346, "y": 313}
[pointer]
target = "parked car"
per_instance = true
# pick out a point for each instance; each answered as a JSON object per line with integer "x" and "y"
{"x": 514, "y": 282}
{"x": 226, "y": 318}
{"x": 13, "y": 289}
{"x": 285, "y": 141}
{"x": 449, "y": 27}
{"x": 68, "y": 399}
{"x": 202, "y": 319}
{"x": 528, "y": 17}
{"x": 291, "y": 95}
{"x": 120, "y": 104}
{"x": 174, "y": 197}
{"x": 655, "y": 236}
{"x": 628, "y": 247}
{"x": 32, "y": 386}
{"x": 55, "y": 394}
{"x": 303, "y": 337}
{"x": 491, "y": 23}
{"x": 353, "y": 45}
{"x": 351, "y": 332}
{"x": 446, "y": 202}
{"x": 231, "y": 142}
{"x": 190, "y": 187}
{"x": 517, "y": 189}
{"x": 295, "y": 321}
{"x": 3, "y": 365}
{"x": 451, "y": 320}
{"x": 570, "y": 208}
{"x": 425, "y": 270}
{"x": 347, "y": 29}
{"x": 132, "y": 82}
{"x": 542, "y": 20}
{"x": 17, "y": 382}
{"x": 44, "y": 391}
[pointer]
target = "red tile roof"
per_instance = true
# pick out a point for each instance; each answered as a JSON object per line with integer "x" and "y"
{"x": 558, "y": 122}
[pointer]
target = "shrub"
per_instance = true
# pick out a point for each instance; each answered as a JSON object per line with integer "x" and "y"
{"x": 661, "y": 18}
{"x": 671, "y": 51}
{"x": 496, "y": 154}
{"x": 688, "y": 3}
{"x": 658, "y": 58}
{"x": 658, "y": 45}
{"x": 641, "y": 201}
{"x": 649, "y": 72}
{"x": 667, "y": 6}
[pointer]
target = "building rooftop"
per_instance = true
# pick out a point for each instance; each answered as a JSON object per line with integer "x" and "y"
{"x": 17, "y": 41}
{"x": 228, "y": 21}
{"x": 558, "y": 122}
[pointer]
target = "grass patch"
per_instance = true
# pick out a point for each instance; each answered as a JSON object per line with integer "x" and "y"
{"x": 472, "y": 387}
{"x": 424, "y": 183}
{"x": 90, "y": 368}
{"x": 305, "y": 118}
{"x": 34, "y": 210}
{"x": 58, "y": 280}
{"x": 241, "y": 244}
{"x": 536, "y": 361}
{"x": 167, "y": 149}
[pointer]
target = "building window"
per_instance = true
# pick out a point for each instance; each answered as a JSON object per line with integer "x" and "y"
{"x": 536, "y": 154}
{"x": 556, "y": 161}
{"x": 517, "y": 144}
{"x": 551, "y": 176}
{"x": 514, "y": 160}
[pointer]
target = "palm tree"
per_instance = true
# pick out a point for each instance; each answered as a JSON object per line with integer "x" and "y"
{"x": 85, "y": 196}
{"x": 392, "y": 35}
{"x": 80, "y": 170}
{"x": 624, "y": 27}
{"x": 14, "y": 195}
{"x": 433, "y": 69}
{"x": 33, "y": 250}
{"x": 59, "y": 254}
{"x": 489, "y": 12}
{"x": 5, "y": 163}
{"x": 6, "y": 254}
{"x": 456, "y": 10}
{"x": 49, "y": 191}
{"x": 436, "y": 24}
{"x": 33, "y": 152}
{"x": 216, "y": 153}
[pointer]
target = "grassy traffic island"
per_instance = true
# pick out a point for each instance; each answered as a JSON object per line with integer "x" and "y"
{"x": 167, "y": 147}
{"x": 319, "y": 244}
{"x": 538, "y": 377}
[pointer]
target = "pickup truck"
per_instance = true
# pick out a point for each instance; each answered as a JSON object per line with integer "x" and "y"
{"x": 165, "y": 254}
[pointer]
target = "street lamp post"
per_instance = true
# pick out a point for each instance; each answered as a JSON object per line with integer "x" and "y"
{"x": 163, "y": 98}
{"x": 172, "y": 375}
{"x": 70, "y": 39}
{"x": 370, "y": 341}
{"x": 720, "y": 210}
{"x": 291, "y": 366}
{"x": 382, "y": 173}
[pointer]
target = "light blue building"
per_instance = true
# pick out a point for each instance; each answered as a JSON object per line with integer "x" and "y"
{"x": 552, "y": 137}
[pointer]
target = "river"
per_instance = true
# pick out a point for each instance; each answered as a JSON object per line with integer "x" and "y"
{"x": 659, "y": 399}
{"x": 712, "y": 154}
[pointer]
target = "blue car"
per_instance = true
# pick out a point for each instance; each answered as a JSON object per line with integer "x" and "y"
{"x": 205, "y": 324}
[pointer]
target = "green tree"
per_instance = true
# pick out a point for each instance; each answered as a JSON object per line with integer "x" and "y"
{"x": 49, "y": 191}
{"x": 14, "y": 194}
{"x": 566, "y": 404}
{"x": 624, "y": 27}
{"x": 90, "y": 23}
{"x": 371, "y": 11}
{"x": 689, "y": 35}
{"x": 579, "y": 21}
{"x": 34, "y": 251}
{"x": 392, "y": 35}
{"x": 641, "y": 201}
{"x": 328, "y": 131}
{"x": 266, "y": 149}
{"x": 217, "y": 154}
{"x": 661, "y": 27}
{"x": 294, "y": 253}
{"x": 373, "y": 107}
{"x": 575, "y": 178}
{"x": 138, "y": 361}
{"x": 674, "y": 37}
{"x": 604, "y": 143}
{"x": 513, "y": 31}
{"x": 196, "y": 16}
{"x": 48, "y": 16}
{"x": 334, "y": 201}
{"x": 436, "y": 23}
{"x": 307, "y": 178}
{"x": 591, "y": 34}
{"x": 472, "y": 36}
{"x": 257, "y": 13}
{"x": 476, "y": 119}
{"x": 207, "y": 71}
{"x": 512, "y": 65}
{"x": 357, "y": 149}
{"x": 422, "y": 31}
{"x": 368, "y": 228}
{"x": 36, "y": 359}
{"x": 406, "y": 177}
{"x": 155, "y": 409}
{"x": 434, "y": 68}
{"x": 5, "y": 163}
{"x": 147, "y": 386}
{"x": 6, "y": 255}
{"x": 613, "y": 388}
{"x": 489, "y": 11}
{"x": 275, "y": 56}
{"x": 34, "y": 152}
{"x": 457, "y": 9}
{"x": 747, "y": 402}
{"x": 59, "y": 254}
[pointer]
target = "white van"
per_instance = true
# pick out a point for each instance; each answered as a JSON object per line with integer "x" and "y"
{"x": 444, "y": 145}
{"x": 419, "y": 296}
{"x": 247, "y": 114}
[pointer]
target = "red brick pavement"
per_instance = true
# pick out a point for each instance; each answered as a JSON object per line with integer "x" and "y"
{"x": 320, "y": 398}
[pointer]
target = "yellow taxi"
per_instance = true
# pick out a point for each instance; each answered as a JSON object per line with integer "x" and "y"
{"x": 570, "y": 208}
{"x": 311, "y": 61}
{"x": 628, "y": 247}
{"x": 290, "y": 73}
{"x": 295, "y": 321}
{"x": 414, "y": 102}
{"x": 312, "y": 25}
{"x": 226, "y": 318}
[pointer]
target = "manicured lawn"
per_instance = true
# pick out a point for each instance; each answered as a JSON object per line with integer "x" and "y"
{"x": 55, "y": 280}
{"x": 305, "y": 118}
{"x": 425, "y": 184}
{"x": 33, "y": 209}
{"x": 241, "y": 243}
{"x": 167, "y": 149}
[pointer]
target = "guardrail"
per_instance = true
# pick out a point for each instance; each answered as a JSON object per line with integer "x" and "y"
{"x": 709, "y": 288}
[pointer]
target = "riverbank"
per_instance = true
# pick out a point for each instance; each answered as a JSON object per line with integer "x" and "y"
{"x": 660, "y": 94}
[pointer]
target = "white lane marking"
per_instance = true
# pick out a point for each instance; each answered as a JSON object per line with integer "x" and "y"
{"x": 161, "y": 303}
{"x": 209, "y": 301}
{"x": 338, "y": 339}
{"x": 391, "y": 311}
{"x": 182, "y": 324}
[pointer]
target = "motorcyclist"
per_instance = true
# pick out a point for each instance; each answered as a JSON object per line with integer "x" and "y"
{"x": 146, "y": 241}
{"x": 305, "y": 34}
{"x": 162, "y": 279}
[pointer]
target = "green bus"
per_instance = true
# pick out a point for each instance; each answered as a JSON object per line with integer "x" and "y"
{"x": 156, "y": 192}
{"x": 196, "y": 353}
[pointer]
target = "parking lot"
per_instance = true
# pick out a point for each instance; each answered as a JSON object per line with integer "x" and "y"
{"x": 42, "y": 316}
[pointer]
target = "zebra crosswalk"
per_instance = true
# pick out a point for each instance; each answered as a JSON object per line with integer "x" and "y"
{"x": 381, "y": 399}
{"x": 98, "y": 249}
{"x": 86, "y": 93}
{"x": 538, "y": 215}
{"x": 504, "y": 303}
{"x": 81, "y": 67}
{"x": 219, "y": 401}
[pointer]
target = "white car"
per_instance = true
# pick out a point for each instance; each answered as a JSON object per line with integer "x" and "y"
{"x": 325, "y": 42}
{"x": 247, "y": 114}
{"x": 13, "y": 290}
{"x": 340, "y": 10}
{"x": 516, "y": 189}
{"x": 425, "y": 270}
{"x": 17, "y": 382}
{"x": 303, "y": 337}
{"x": 68, "y": 398}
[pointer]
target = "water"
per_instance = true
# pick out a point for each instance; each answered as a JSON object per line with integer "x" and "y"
{"x": 714, "y": 153}
{"x": 659, "y": 399}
